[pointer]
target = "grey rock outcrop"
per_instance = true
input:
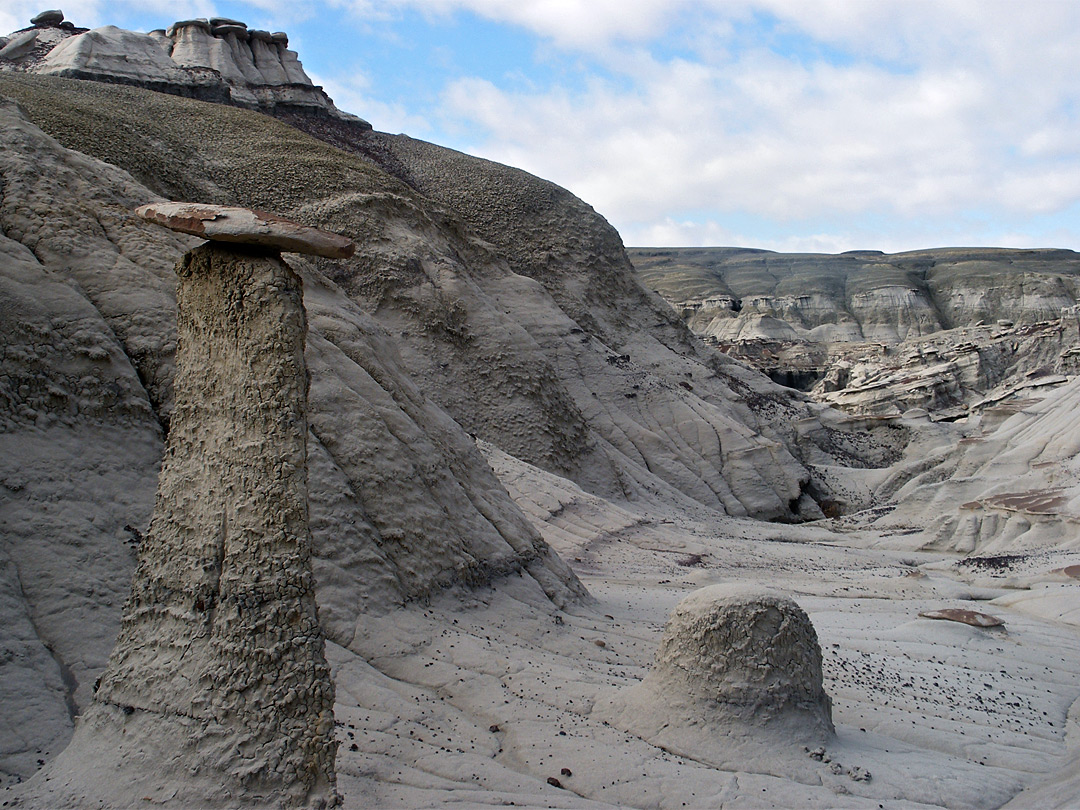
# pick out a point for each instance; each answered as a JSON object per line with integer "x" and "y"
{"x": 950, "y": 373}
{"x": 750, "y": 653}
{"x": 861, "y": 295}
{"x": 222, "y": 62}
{"x": 19, "y": 45}
{"x": 218, "y": 675}
{"x": 1010, "y": 486}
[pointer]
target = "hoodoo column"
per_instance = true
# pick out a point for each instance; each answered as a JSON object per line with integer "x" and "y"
{"x": 218, "y": 687}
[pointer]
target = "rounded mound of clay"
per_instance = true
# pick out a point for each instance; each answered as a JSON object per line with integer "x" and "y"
{"x": 752, "y": 652}
{"x": 737, "y": 676}
{"x": 245, "y": 226}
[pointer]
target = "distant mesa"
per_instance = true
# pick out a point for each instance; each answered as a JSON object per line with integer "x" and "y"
{"x": 952, "y": 331}
{"x": 245, "y": 226}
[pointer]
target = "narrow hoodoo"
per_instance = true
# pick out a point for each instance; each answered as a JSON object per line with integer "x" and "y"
{"x": 218, "y": 687}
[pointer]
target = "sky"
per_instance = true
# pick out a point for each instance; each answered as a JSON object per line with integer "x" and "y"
{"x": 793, "y": 125}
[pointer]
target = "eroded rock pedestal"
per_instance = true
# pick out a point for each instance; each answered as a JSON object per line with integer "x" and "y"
{"x": 218, "y": 691}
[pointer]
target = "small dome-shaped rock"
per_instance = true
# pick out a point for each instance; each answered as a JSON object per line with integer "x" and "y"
{"x": 752, "y": 652}
{"x": 737, "y": 674}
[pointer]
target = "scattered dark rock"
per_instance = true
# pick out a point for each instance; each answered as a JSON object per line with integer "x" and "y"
{"x": 996, "y": 563}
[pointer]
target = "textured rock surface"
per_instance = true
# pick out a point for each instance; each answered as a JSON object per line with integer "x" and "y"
{"x": 19, "y": 45}
{"x": 243, "y": 226}
{"x": 648, "y": 393}
{"x": 949, "y": 373}
{"x": 1010, "y": 485}
{"x": 218, "y": 674}
{"x": 80, "y": 438}
{"x": 89, "y": 326}
{"x": 749, "y": 651}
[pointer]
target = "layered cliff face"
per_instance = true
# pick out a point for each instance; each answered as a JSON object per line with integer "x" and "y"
{"x": 873, "y": 333}
{"x": 861, "y": 295}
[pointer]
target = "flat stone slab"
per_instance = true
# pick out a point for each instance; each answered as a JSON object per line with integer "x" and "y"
{"x": 245, "y": 226}
{"x": 221, "y": 30}
{"x": 972, "y": 617}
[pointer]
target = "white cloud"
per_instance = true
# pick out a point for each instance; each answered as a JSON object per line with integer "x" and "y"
{"x": 569, "y": 23}
{"x": 899, "y": 237}
{"x": 983, "y": 116}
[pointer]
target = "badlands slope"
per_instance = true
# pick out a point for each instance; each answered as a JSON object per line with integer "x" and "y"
{"x": 520, "y": 460}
